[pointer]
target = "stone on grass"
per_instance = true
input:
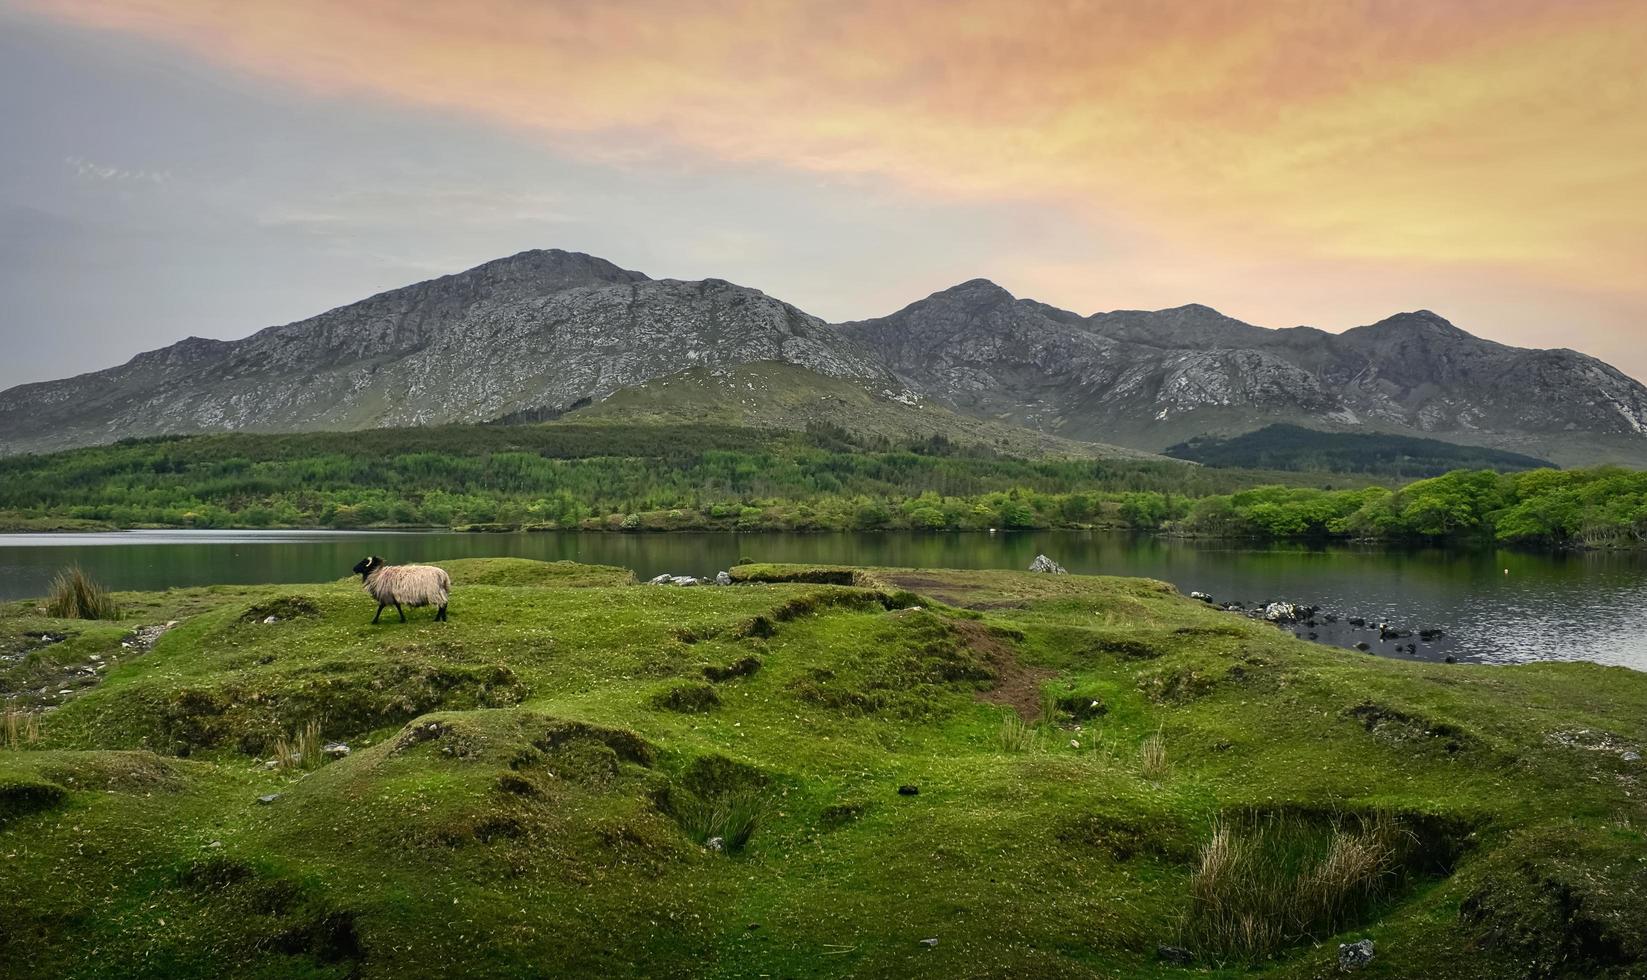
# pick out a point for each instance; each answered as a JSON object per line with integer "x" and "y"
{"x": 270, "y": 798}
{"x": 1044, "y": 564}
{"x": 335, "y": 750}
{"x": 723, "y": 578}
{"x": 1355, "y": 956}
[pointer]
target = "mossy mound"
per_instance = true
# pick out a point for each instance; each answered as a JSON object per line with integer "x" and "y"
{"x": 533, "y": 787}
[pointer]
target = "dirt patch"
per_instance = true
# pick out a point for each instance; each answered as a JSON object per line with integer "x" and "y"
{"x": 692, "y": 698}
{"x": 283, "y": 608}
{"x": 23, "y": 795}
{"x": 1393, "y": 725}
{"x": 745, "y": 667}
{"x": 951, "y": 593}
{"x": 1017, "y": 685}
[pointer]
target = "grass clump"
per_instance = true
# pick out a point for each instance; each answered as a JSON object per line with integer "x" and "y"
{"x": 19, "y": 729}
{"x": 75, "y": 595}
{"x": 1266, "y": 883}
{"x": 1016, "y": 734}
{"x": 724, "y": 822}
{"x": 301, "y": 749}
{"x": 1153, "y": 761}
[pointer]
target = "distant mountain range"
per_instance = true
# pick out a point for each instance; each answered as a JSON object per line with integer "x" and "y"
{"x": 546, "y": 333}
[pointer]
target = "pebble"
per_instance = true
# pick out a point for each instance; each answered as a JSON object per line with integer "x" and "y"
{"x": 929, "y": 943}
{"x": 1354, "y": 956}
{"x": 266, "y": 800}
{"x": 1632, "y": 756}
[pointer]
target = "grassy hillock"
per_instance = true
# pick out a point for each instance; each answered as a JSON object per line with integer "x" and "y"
{"x": 814, "y": 772}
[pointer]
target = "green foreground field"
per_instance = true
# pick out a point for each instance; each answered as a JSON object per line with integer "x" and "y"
{"x": 814, "y": 772}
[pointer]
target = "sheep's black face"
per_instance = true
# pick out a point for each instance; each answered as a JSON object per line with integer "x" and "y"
{"x": 367, "y": 565}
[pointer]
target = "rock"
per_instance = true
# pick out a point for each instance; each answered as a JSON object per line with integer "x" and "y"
{"x": 1354, "y": 956}
{"x": 1283, "y": 612}
{"x": 1357, "y": 622}
{"x": 266, "y": 800}
{"x": 269, "y": 620}
{"x": 1044, "y": 564}
{"x": 716, "y": 844}
{"x": 1631, "y": 755}
{"x": 1452, "y": 659}
{"x": 663, "y": 579}
{"x": 929, "y": 943}
{"x": 1176, "y": 955}
{"x": 335, "y": 750}
{"x": 908, "y": 789}
{"x": 1363, "y": 646}
{"x": 685, "y": 580}
{"x": 1202, "y": 596}
{"x": 723, "y": 578}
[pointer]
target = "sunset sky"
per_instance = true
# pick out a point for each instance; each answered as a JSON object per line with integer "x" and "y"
{"x": 176, "y": 167}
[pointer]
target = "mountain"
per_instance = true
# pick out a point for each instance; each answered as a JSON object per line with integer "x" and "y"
{"x": 543, "y": 333}
{"x": 541, "y": 329}
{"x": 1153, "y": 379}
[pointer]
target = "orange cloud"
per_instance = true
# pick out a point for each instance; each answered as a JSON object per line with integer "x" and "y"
{"x": 1507, "y": 134}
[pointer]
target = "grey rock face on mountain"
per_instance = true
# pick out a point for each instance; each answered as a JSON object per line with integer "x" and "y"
{"x": 538, "y": 330}
{"x": 1143, "y": 379}
{"x": 542, "y": 331}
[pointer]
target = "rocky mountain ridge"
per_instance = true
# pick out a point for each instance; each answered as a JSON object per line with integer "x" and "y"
{"x": 547, "y": 331}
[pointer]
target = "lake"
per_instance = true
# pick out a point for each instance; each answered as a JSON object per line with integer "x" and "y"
{"x": 1548, "y": 606}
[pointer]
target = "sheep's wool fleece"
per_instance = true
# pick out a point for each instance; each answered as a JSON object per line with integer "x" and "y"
{"x": 409, "y": 585}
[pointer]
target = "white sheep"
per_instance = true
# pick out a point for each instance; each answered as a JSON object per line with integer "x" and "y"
{"x": 404, "y": 585}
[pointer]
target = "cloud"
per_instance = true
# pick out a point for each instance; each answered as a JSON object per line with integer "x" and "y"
{"x": 97, "y": 171}
{"x": 1502, "y": 139}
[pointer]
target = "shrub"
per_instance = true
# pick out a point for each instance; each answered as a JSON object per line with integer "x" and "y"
{"x": 74, "y": 595}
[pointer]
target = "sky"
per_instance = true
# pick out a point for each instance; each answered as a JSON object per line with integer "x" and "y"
{"x": 199, "y": 167}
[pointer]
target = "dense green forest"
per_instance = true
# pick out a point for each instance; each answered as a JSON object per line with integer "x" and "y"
{"x": 575, "y": 475}
{"x": 702, "y": 477}
{"x": 1293, "y": 447}
{"x": 1599, "y": 508}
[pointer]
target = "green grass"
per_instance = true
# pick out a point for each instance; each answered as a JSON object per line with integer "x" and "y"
{"x": 526, "y": 795}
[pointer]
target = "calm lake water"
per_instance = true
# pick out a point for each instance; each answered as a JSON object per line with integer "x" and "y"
{"x": 1549, "y": 607}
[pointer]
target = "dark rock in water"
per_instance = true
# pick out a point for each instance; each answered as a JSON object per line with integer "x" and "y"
{"x": 1315, "y": 636}
{"x": 1044, "y": 564}
{"x": 1176, "y": 955}
{"x": 1431, "y": 635}
{"x": 1355, "y": 956}
{"x": 1331, "y": 617}
{"x": 908, "y": 789}
{"x": 1363, "y": 646}
{"x": 1357, "y": 622}
{"x": 1452, "y": 659}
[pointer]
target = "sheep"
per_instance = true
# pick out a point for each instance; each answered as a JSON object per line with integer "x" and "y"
{"x": 411, "y": 585}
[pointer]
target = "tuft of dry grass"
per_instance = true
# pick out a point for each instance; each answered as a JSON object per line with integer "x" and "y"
{"x": 300, "y": 750}
{"x": 1016, "y": 734}
{"x": 1265, "y": 886}
{"x": 19, "y": 728}
{"x": 1152, "y": 758}
{"x": 75, "y": 595}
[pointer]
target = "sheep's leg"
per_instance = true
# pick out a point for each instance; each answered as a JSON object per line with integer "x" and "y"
{"x": 440, "y": 614}
{"x": 401, "y": 611}
{"x": 379, "y": 611}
